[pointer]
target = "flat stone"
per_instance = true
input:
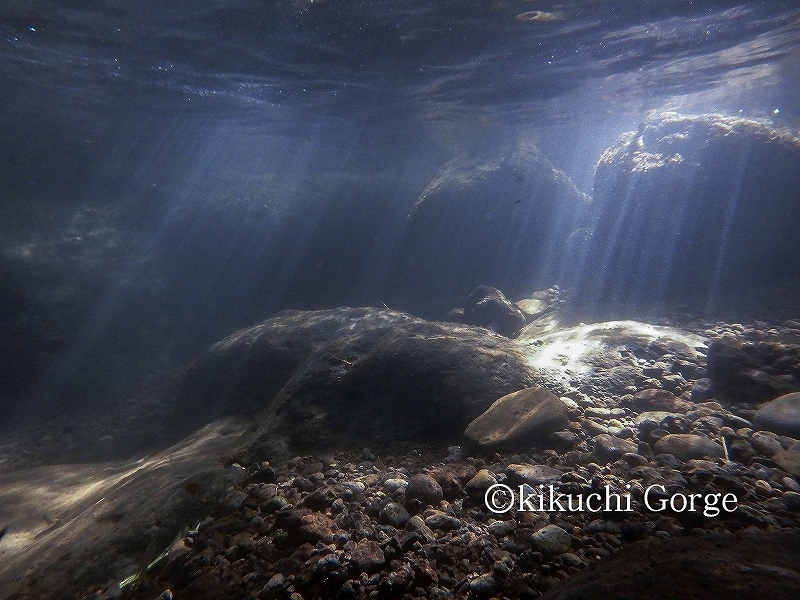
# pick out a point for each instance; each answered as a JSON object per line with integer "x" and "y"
{"x": 305, "y": 526}
{"x": 531, "y": 474}
{"x": 599, "y": 412}
{"x": 781, "y": 416}
{"x": 685, "y": 446}
{"x": 525, "y": 417}
{"x": 658, "y": 400}
{"x": 443, "y": 521}
{"x": 417, "y": 525}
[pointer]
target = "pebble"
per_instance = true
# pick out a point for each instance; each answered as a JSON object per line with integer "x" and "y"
{"x": 424, "y": 488}
{"x": 393, "y": 514}
{"x": 551, "y": 540}
{"x": 417, "y": 525}
{"x": 477, "y": 486}
{"x": 440, "y": 520}
{"x": 604, "y": 413}
{"x": 367, "y": 557}
{"x": 608, "y": 448}
{"x": 390, "y": 486}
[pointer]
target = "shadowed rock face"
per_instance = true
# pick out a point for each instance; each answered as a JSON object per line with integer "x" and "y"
{"x": 695, "y": 207}
{"x": 355, "y": 374}
{"x": 501, "y": 219}
{"x": 711, "y": 565}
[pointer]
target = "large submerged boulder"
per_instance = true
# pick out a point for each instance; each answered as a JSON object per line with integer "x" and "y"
{"x": 699, "y": 207}
{"x": 349, "y": 375}
{"x": 499, "y": 219}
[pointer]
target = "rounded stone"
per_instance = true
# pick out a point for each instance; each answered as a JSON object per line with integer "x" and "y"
{"x": 608, "y": 448}
{"x": 792, "y": 501}
{"x": 686, "y": 446}
{"x": 781, "y": 416}
{"x": 424, "y": 488}
{"x": 390, "y": 486}
{"x": 483, "y": 588}
{"x": 551, "y": 540}
{"x": 482, "y": 481}
{"x": 394, "y": 514}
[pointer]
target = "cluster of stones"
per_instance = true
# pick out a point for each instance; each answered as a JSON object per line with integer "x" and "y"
{"x": 417, "y": 525}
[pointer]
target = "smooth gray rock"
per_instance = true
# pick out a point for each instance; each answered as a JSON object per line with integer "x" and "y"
{"x": 686, "y": 446}
{"x": 551, "y": 540}
{"x": 394, "y": 514}
{"x": 781, "y": 416}
{"x": 531, "y": 474}
{"x": 424, "y": 488}
{"x": 608, "y": 448}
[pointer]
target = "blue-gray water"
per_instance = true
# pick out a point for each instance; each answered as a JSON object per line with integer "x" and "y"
{"x": 174, "y": 171}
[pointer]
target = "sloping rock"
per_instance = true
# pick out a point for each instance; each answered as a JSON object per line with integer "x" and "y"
{"x": 695, "y": 207}
{"x": 705, "y": 565}
{"x": 71, "y": 526}
{"x": 524, "y": 417}
{"x": 781, "y": 416}
{"x": 488, "y": 307}
{"x": 488, "y": 219}
{"x": 348, "y": 375}
{"x": 789, "y": 459}
{"x": 244, "y": 371}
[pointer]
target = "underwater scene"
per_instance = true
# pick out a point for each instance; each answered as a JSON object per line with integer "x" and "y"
{"x": 399, "y": 299}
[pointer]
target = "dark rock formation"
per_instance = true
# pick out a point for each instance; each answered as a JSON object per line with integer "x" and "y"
{"x": 493, "y": 219}
{"x": 325, "y": 377}
{"x": 754, "y": 371}
{"x": 244, "y": 371}
{"x": 698, "y": 207}
{"x": 708, "y": 565}
{"x": 781, "y": 416}
{"x": 488, "y": 307}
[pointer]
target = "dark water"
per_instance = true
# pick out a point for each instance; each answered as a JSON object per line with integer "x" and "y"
{"x": 174, "y": 171}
